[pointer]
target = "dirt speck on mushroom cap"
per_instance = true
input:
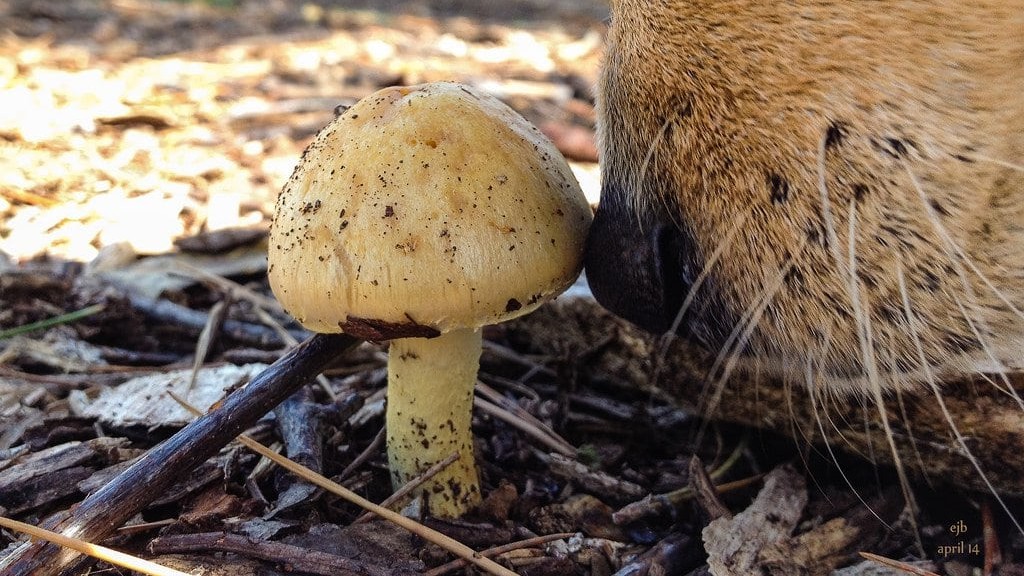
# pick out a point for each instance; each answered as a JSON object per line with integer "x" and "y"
{"x": 436, "y": 189}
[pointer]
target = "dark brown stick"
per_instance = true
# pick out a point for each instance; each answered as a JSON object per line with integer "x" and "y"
{"x": 245, "y": 332}
{"x": 109, "y": 507}
{"x": 705, "y": 493}
{"x": 294, "y": 558}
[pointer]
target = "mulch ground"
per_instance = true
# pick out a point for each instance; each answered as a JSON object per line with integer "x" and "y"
{"x": 142, "y": 146}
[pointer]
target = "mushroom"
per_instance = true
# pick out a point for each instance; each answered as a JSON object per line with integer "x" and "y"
{"x": 420, "y": 215}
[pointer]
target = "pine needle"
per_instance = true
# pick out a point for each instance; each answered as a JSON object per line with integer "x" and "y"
{"x": 95, "y": 550}
{"x": 450, "y": 544}
{"x": 49, "y": 322}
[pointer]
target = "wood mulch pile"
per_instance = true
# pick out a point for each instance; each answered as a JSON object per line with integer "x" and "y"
{"x": 142, "y": 145}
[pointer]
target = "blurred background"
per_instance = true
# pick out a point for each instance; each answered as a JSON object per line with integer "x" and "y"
{"x": 134, "y": 123}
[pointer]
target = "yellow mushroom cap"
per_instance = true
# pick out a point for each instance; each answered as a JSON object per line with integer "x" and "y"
{"x": 422, "y": 209}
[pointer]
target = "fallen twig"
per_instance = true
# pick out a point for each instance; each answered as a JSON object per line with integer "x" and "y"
{"x": 499, "y": 550}
{"x": 296, "y": 558}
{"x": 167, "y": 311}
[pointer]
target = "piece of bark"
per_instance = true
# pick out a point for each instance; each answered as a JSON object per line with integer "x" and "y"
{"x": 205, "y": 474}
{"x": 623, "y": 355}
{"x": 378, "y": 543}
{"x": 46, "y": 489}
{"x": 144, "y": 401}
{"x": 736, "y": 544}
{"x": 215, "y": 564}
{"x": 218, "y": 241}
{"x": 298, "y": 421}
{"x": 51, "y": 474}
{"x": 108, "y": 508}
{"x": 210, "y": 507}
{"x": 817, "y": 551}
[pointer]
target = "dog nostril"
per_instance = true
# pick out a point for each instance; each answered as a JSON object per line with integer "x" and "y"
{"x": 676, "y": 279}
{"x": 708, "y": 318}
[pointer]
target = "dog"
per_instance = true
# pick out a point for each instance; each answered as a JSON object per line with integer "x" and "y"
{"x": 826, "y": 190}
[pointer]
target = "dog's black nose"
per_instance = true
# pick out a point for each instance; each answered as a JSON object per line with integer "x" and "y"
{"x": 632, "y": 265}
{"x": 641, "y": 264}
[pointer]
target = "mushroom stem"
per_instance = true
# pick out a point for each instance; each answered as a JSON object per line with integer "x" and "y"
{"x": 429, "y": 412}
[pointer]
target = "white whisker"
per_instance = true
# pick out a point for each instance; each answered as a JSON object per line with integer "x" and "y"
{"x": 711, "y": 261}
{"x": 958, "y": 250}
{"x": 796, "y": 431}
{"x": 835, "y": 460}
{"x": 957, "y": 257}
{"x": 808, "y": 439}
{"x": 996, "y": 161}
{"x": 1005, "y": 387}
{"x": 934, "y": 386}
{"x": 691, "y": 294}
{"x": 865, "y": 334}
{"x": 641, "y": 174}
{"x": 729, "y": 353}
{"x": 911, "y": 440}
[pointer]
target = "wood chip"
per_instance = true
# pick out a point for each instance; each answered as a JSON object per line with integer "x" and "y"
{"x": 52, "y": 474}
{"x": 735, "y": 545}
{"x": 143, "y": 401}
